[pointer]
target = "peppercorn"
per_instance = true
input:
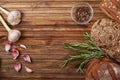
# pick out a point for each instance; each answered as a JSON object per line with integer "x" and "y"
{"x": 82, "y": 14}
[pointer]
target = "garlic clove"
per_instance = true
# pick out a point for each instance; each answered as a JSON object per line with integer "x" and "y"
{"x": 8, "y": 47}
{"x": 28, "y": 69}
{"x": 17, "y": 66}
{"x": 14, "y": 35}
{"x": 27, "y": 58}
{"x": 14, "y": 17}
{"x": 15, "y": 53}
{"x": 23, "y": 46}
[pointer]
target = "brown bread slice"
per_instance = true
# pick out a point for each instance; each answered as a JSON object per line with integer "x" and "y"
{"x": 106, "y": 34}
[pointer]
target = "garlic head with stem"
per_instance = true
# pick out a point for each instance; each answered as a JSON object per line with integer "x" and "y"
{"x": 13, "y": 17}
{"x": 13, "y": 35}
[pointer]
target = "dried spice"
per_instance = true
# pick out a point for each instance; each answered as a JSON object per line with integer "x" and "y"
{"x": 82, "y": 14}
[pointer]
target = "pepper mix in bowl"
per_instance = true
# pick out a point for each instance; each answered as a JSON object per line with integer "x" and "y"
{"x": 82, "y": 13}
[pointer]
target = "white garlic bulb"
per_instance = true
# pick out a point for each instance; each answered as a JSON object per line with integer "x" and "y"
{"x": 13, "y": 17}
{"x": 13, "y": 35}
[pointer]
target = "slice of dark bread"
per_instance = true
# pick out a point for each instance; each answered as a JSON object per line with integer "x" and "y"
{"x": 106, "y": 34}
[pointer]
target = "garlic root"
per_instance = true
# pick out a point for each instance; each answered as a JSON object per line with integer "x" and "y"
{"x": 14, "y": 17}
{"x": 13, "y": 35}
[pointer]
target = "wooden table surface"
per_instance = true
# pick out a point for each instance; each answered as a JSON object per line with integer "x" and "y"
{"x": 46, "y": 26}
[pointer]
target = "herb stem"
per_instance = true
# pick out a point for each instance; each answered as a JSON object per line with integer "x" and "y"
{"x": 88, "y": 51}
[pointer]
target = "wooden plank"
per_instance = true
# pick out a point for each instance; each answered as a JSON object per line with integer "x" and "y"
{"x": 42, "y": 4}
{"x": 51, "y": 0}
{"x": 46, "y": 25}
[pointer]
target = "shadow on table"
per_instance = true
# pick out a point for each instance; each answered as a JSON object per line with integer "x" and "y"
{"x": 1, "y": 75}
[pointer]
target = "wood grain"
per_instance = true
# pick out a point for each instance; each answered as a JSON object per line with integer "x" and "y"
{"x": 46, "y": 26}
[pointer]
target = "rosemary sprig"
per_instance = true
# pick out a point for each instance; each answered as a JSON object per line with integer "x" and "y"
{"x": 88, "y": 51}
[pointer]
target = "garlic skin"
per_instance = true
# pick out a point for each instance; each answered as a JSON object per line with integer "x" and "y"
{"x": 27, "y": 58}
{"x": 14, "y": 17}
{"x": 15, "y": 53}
{"x": 14, "y": 35}
{"x": 17, "y": 66}
{"x": 28, "y": 70}
{"x": 8, "y": 46}
{"x": 23, "y": 46}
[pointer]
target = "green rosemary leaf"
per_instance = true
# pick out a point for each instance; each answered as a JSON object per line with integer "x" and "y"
{"x": 79, "y": 44}
{"x": 81, "y": 56}
{"x": 66, "y": 63}
{"x": 82, "y": 65}
{"x": 91, "y": 43}
{"x": 74, "y": 58}
{"x": 83, "y": 45}
{"x": 84, "y": 51}
{"x": 98, "y": 55}
{"x": 87, "y": 37}
{"x": 87, "y": 51}
{"x": 67, "y": 45}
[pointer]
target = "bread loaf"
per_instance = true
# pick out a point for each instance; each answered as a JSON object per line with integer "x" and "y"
{"x": 103, "y": 69}
{"x": 111, "y": 8}
{"x": 116, "y": 2}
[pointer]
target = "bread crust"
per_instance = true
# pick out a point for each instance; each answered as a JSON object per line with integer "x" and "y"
{"x": 99, "y": 67}
{"x": 111, "y": 9}
{"x": 116, "y": 2}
